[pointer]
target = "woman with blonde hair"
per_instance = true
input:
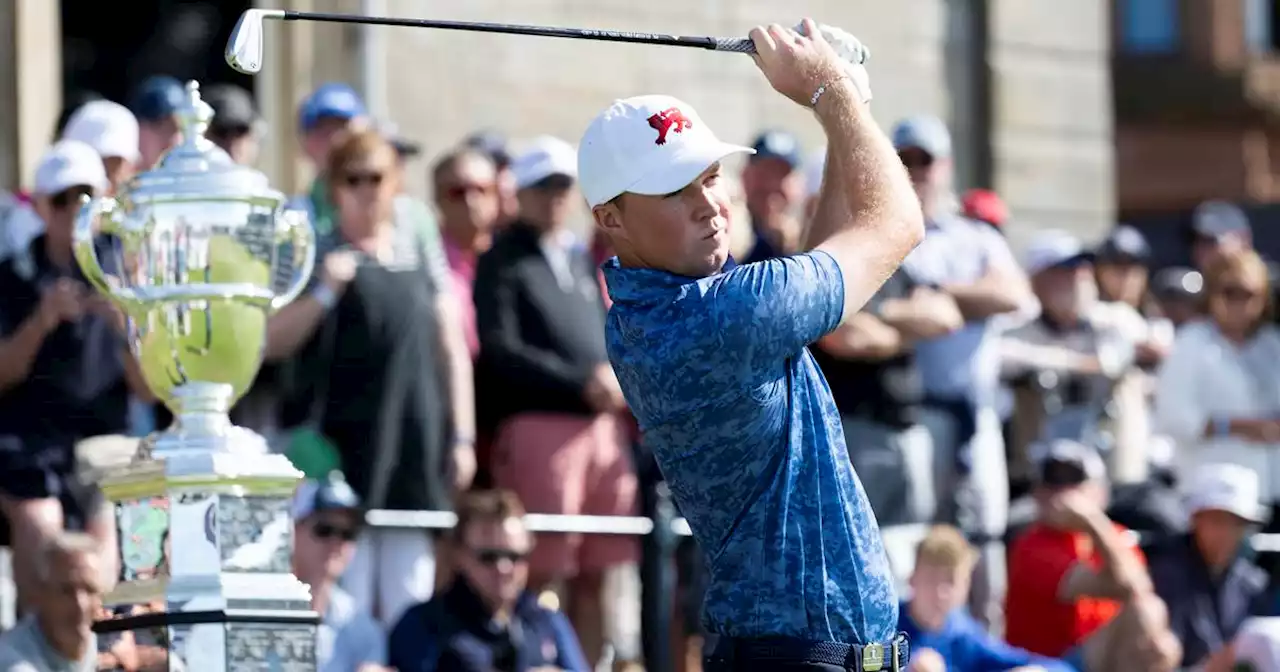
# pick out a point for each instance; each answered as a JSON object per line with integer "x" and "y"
{"x": 386, "y": 379}
{"x": 1218, "y": 394}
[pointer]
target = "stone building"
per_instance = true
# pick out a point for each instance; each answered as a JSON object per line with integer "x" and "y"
{"x": 1025, "y": 84}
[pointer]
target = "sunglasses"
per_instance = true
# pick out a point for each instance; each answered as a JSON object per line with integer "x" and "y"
{"x": 1063, "y": 474}
{"x": 492, "y": 556}
{"x": 1237, "y": 294}
{"x": 359, "y": 179}
{"x": 325, "y": 532}
{"x": 70, "y": 197}
{"x": 462, "y": 191}
{"x": 915, "y": 159}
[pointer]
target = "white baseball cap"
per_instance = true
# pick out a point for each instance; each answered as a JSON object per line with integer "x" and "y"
{"x": 67, "y": 164}
{"x": 1052, "y": 248}
{"x": 109, "y": 128}
{"x": 1226, "y": 487}
{"x": 649, "y": 145}
{"x": 1257, "y": 645}
{"x": 544, "y": 157}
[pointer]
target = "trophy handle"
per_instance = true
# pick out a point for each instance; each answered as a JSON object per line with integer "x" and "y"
{"x": 94, "y": 217}
{"x": 294, "y": 227}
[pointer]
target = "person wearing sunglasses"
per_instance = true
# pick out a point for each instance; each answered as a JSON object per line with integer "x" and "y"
{"x": 65, "y": 373}
{"x": 465, "y": 184}
{"x": 237, "y": 127}
{"x": 385, "y": 375}
{"x": 327, "y": 518}
{"x": 486, "y": 620}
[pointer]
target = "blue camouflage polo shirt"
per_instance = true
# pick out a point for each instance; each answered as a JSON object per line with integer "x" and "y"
{"x": 743, "y": 426}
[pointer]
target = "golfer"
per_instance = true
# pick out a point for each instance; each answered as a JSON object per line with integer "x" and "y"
{"x": 712, "y": 359}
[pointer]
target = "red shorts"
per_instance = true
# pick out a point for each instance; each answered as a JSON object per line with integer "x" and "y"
{"x": 572, "y": 465}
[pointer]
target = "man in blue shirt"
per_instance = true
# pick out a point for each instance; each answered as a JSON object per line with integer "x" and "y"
{"x": 712, "y": 357}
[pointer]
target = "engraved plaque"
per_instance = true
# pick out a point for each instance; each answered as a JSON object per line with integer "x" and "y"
{"x": 255, "y": 533}
{"x": 271, "y": 648}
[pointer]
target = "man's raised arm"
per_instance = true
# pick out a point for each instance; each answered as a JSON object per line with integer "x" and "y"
{"x": 867, "y": 217}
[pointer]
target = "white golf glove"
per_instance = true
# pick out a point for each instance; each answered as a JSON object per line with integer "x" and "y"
{"x": 854, "y": 54}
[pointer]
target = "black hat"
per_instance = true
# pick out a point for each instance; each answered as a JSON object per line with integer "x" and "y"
{"x": 233, "y": 108}
{"x": 775, "y": 144}
{"x": 492, "y": 143}
{"x": 1124, "y": 244}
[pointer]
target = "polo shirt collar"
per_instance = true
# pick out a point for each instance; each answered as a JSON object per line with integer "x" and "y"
{"x": 636, "y": 285}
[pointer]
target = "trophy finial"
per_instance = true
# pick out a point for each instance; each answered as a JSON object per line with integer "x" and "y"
{"x": 195, "y": 114}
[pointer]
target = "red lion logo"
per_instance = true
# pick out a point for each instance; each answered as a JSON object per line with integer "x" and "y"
{"x": 669, "y": 120}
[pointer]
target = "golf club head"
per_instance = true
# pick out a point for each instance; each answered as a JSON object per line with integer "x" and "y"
{"x": 245, "y": 48}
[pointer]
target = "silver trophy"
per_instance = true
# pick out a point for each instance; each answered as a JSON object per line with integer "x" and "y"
{"x": 202, "y": 251}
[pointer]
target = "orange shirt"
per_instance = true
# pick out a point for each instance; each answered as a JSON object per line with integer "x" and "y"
{"x": 1034, "y": 617}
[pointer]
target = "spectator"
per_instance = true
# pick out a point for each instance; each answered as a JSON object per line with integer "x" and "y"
{"x": 406, "y": 149}
{"x": 972, "y": 264}
{"x": 561, "y": 440}
{"x": 983, "y": 205}
{"x": 237, "y": 127}
{"x": 57, "y": 636}
{"x": 324, "y": 118}
{"x": 1216, "y": 227}
{"x": 870, "y": 365}
{"x": 1121, "y": 267}
{"x": 155, "y": 102}
{"x": 774, "y": 189}
{"x": 465, "y": 185}
{"x": 1072, "y": 368}
{"x": 495, "y": 145}
{"x": 1072, "y": 570}
{"x": 65, "y": 372}
{"x": 936, "y": 619}
{"x": 1219, "y": 389}
{"x": 113, "y": 132}
{"x": 1210, "y": 586}
{"x": 326, "y": 523}
{"x": 71, "y": 102}
{"x": 1178, "y": 294}
{"x": 485, "y": 620}
{"x": 386, "y": 379}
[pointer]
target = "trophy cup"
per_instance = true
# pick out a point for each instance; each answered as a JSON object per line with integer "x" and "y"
{"x": 205, "y": 252}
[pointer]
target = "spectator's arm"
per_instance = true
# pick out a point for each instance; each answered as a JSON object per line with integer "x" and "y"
{"x": 457, "y": 362}
{"x": 20, "y": 341}
{"x": 570, "y": 657}
{"x": 864, "y": 336}
{"x": 1003, "y": 288}
{"x": 924, "y": 314}
{"x": 1178, "y": 410}
{"x": 496, "y": 297}
{"x": 1123, "y": 575}
{"x": 292, "y": 326}
{"x": 1019, "y": 356}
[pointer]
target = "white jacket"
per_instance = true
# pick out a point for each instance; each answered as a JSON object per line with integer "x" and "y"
{"x": 1207, "y": 377}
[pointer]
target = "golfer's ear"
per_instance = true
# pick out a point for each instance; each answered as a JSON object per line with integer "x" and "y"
{"x": 607, "y": 217}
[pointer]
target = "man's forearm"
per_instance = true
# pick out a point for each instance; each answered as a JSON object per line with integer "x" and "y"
{"x": 864, "y": 183}
{"x": 457, "y": 360}
{"x": 986, "y": 297}
{"x": 1118, "y": 560}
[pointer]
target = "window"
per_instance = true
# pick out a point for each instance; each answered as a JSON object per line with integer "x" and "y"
{"x": 1150, "y": 26}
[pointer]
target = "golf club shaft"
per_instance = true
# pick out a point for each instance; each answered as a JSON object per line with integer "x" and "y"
{"x": 733, "y": 44}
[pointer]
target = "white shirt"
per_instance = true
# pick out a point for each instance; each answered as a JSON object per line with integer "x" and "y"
{"x": 1207, "y": 377}
{"x": 348, "y": 637}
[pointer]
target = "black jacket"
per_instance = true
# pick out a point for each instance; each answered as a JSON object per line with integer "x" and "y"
{"x": 539, "y": 339}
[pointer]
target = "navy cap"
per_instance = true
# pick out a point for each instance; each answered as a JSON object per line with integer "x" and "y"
{"x": 332, "y": 100}
{"x": 331, "y": 494}
{"x": 776, "y": 144}
{"x": 157, "y": 98}
{"x": 926, "y": 133}
{"x": 1218, "y": 219}
{"x": 405, "y": 148}
{"x": 492, "y": 143}
{"x": 1125, "y": 244}
{"x": 1064, "y": 462}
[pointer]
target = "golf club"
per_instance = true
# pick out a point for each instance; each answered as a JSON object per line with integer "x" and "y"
{"x": 245, "y": 50}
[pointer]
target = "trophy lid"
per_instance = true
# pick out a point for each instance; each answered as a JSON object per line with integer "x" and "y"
{"x": 196, "y": 166}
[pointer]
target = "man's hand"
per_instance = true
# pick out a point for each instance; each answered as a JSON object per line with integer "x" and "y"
{"x": 338, "y": 269}
{"x": 944, "y": 311}
{"x": 926, "y": 660}
{"x": 62, "y": 302}
{"x": 1257, "y": 431}
{"x": 602, "y": 392}
{"x": 1072, "y": 510}
{"x": 464, "y": 466}
{"x": 795, "y": 64}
